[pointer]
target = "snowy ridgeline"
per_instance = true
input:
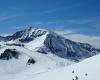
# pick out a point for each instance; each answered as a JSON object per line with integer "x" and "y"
{"x": 37, "y": 52}
{"x": 44, "y": 41}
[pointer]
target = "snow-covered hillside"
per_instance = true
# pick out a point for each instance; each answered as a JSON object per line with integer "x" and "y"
{"x": 12, "y": 67}
{"x": 45, "y": 42}
{"x": 35, "y": 53}
{"x": 88, "y": 69}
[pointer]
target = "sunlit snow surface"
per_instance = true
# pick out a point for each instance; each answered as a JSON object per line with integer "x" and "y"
{"x": 47, "y": 69}
{"x": 47, "y": 66}
{"x": 18, "y": 69}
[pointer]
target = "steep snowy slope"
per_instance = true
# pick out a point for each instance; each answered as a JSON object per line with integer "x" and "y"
{"x": 12, "y": 57}
{"x": 22, "y": 60}
{"x": 33, "y": 54}
{"x": 27, "y": 35}
{"x": 88, "y": 69}
{"x": 66, "y": 48}
{"x": 12, "y": 67}
{"x": 45, "y": 42}
{"x": 36, "y": 43}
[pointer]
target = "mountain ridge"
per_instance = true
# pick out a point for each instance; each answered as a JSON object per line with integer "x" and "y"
{"x": 53, "y": 43}
{"x": 36, "y": 51}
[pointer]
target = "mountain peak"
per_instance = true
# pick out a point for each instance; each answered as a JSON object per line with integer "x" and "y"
{"x": 34, "y": 28}
{"x": 27, "y": 34}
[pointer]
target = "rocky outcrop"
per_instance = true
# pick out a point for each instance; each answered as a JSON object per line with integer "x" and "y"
{"x": 66, "y": 48}
{"x": 30, "y": 61}
{"x": 9, "y": 54}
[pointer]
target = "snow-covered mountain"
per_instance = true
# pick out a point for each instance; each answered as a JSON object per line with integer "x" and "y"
{"x": 45, "y": 42}
{"x": 68, "y": 49}
{"x": 86, "y": 70}
{"x": 27, "y": 35}
{"x": 33, "y": 51}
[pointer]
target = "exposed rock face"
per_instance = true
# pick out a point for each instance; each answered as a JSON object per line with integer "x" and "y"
{"x": 27, "y": 34}
{"x": 54, "y": 44}
{"x": 43, "y": 50}
{"x": 9, "y": 54}
{"x": 31, "y": 61}
{"x": 89, "y": 47}
{"x": 66, "y": 48}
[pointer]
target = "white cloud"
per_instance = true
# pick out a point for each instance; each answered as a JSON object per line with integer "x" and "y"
{"x": 63, "y": 32}
{"x": 72, "y": 35}
{"x": 93, "y": 40}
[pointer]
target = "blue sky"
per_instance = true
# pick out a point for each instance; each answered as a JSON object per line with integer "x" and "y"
{"x": 81, "y": 16}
